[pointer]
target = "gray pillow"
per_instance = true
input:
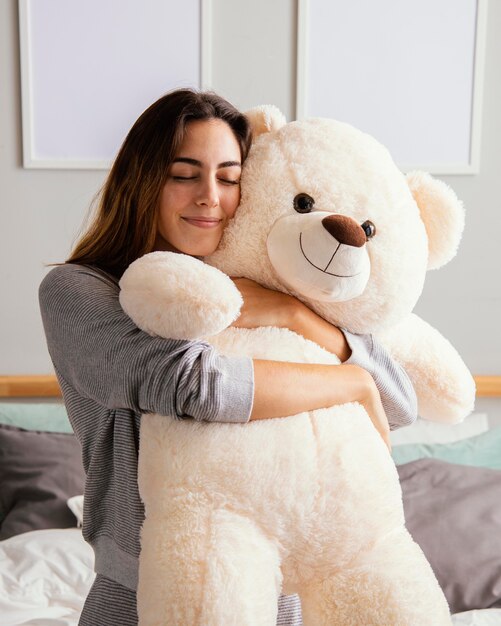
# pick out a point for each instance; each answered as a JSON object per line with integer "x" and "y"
{"x": 454, "y": 513}
{"x": 39, "y": 471}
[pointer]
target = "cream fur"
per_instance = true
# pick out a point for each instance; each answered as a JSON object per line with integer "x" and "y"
{"x": 311, "y": 503}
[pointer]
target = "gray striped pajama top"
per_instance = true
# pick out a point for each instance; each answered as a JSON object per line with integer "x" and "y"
{"x": 110, "y": 372}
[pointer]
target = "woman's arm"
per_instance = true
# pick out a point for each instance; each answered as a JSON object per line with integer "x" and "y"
{"x": 103, "y": 356}
{"x": 265, "y": 307}
{"x": 282, "y": 388}
{"x": 396, "y": 390}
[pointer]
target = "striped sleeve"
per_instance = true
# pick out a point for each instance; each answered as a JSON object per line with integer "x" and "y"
{"x": 97, "y": 348}
{"x": 396, "y": 390}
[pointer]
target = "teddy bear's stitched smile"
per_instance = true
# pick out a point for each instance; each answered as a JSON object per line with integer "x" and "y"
{"x": 330, "y": 261}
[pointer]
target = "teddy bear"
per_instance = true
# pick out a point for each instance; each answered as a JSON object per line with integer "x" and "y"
{"x": 310, "y": 504}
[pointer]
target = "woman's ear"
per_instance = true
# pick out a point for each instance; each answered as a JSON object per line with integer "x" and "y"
{"x": 442, "y": 214}
{"x": 265, "y": 118}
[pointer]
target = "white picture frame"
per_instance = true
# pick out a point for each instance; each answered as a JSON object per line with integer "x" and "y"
{"x": 442, "y": 136}
{"x": 77, "y": 61}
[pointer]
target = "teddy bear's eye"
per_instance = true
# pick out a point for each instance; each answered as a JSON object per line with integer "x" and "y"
{"x": 303, "y": 203}
{"x": 369, "y": 229}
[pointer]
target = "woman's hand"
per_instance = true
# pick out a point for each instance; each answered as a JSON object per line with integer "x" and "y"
{"x": 266, "y": 307}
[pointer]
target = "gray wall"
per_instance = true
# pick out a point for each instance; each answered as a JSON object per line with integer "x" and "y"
{"x": 40, "y": 214}
{"x": 253, "y": 62}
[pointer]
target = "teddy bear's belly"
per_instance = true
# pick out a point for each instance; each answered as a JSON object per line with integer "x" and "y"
{"x": 290, "y": 474}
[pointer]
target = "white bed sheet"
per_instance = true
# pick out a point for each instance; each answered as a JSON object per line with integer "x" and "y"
{"x": 485, "y": 617}
{"x": 45, "y": 576}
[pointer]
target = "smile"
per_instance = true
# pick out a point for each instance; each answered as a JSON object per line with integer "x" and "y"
{"x": 324, "y": 271}
{"x": 202, "y": 222}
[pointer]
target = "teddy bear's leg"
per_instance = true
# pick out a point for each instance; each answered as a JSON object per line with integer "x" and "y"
{"x": 243, "y": 576}
{"x": 209, "y": 569}
{"x": 393, "y": 586}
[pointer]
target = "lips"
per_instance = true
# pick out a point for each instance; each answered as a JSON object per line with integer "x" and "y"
{"x": 202, "y": 222}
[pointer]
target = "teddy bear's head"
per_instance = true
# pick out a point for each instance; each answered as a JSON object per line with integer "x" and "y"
{"x": 327, "y": 216}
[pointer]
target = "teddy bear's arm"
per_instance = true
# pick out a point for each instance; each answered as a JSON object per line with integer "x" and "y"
{"x": 444, "y": 387}
{"x": 177, "y": 296}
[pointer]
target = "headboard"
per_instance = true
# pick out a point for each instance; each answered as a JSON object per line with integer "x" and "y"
{"x": 47, "y": 387}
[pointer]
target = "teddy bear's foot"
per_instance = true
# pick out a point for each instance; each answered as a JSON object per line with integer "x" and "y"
{"x": 216, "y": 569}
{"x": 393, "y": 586}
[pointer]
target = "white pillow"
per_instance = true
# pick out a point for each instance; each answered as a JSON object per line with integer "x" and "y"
{"x": 75, "y": 505}
{"x": 423, "y": 431}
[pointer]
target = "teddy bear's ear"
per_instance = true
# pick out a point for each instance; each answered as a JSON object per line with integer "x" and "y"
{"x": 266, "y": 118}
{"x": 443, "y": 216}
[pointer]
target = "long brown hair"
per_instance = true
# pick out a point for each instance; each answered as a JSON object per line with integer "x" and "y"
{"x": 125, "y": 225}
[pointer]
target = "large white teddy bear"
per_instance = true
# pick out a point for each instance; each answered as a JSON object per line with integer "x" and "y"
{"x": 238, "y": 513}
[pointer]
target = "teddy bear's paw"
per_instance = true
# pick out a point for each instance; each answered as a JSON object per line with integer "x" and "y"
{"x": 177, "y": 296}
{"x": 444, "y": 387}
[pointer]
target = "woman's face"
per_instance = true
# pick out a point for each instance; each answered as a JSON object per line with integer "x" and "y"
{"x": 202, "y": 190}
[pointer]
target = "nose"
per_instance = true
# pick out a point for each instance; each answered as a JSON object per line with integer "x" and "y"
{"x": 209, "y": 195}
{"x": 345, "y": 229}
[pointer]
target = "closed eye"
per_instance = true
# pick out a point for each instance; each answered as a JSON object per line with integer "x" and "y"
{"x": 224, "y": 181}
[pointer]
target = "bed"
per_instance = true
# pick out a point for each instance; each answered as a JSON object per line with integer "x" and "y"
{"x": 450, "y": 477}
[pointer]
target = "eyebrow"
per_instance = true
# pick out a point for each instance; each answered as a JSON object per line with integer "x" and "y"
{"x": 199, "y": 163}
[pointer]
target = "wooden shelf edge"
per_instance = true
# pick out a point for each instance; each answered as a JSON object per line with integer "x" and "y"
{"x": 488, "y": 386}
{"x": 47, "y": 387}
{"x": 29, "y": 387}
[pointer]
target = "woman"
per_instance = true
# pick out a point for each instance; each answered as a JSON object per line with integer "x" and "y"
{"x": 174, "y": 186}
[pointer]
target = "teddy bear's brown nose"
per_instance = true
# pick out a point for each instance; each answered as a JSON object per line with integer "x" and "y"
{"x": 345, "y": 230}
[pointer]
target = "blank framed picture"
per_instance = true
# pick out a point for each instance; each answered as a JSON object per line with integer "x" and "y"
{"x": 90, "y": 67}
{"x": 408, "y": 72}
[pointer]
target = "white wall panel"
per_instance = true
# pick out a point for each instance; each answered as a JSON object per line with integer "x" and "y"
{"x": 410, "y": 73}
{"x": 90, "y": 68}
